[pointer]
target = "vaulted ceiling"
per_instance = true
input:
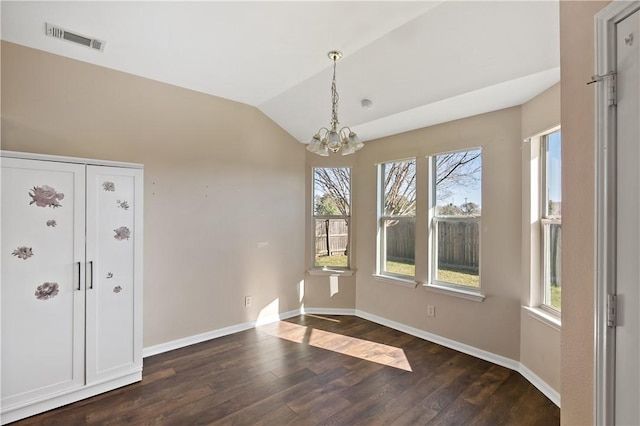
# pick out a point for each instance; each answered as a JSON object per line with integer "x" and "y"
{"x": 420, "y": 63}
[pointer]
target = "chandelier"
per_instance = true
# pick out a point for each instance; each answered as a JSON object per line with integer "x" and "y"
{"x": 332, "y": 139}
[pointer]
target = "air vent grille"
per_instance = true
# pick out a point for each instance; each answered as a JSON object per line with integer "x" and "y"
{"x": 63, "y": 34}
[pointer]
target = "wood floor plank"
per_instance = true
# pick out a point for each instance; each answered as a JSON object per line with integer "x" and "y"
{"x": 315, "y": 370}
{"x": 496, "y": 411}
{"x": 258, "y": 410}
{"x": 482, "y": 388}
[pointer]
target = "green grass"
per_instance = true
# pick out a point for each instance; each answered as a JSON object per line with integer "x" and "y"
{"x": 336, "y": 261}
{"x": 401, "y": 268}
{"x": 446, "y": 275}
{"x": 458, "y": 277}
{"x": 556, "y": 296}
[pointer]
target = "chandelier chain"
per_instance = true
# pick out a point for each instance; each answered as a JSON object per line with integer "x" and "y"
{"x": 334, "y": 98}
{"x": 333, "y": 140}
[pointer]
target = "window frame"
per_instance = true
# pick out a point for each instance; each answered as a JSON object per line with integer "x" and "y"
{"x": 546, "y": 221}
{"x": 381, "y": 246}
{"x": 315, "y": 217}
{"x": 434, "y": 219}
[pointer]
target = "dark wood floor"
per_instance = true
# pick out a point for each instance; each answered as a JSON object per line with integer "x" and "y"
{"x": 309, "y": 370}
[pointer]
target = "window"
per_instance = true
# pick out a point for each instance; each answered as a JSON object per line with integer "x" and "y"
{"x": 397, "y": 223}
{"x": 551, "y": 220}
{"x": 455, "y": 219}
{"x": 331, "y": 216}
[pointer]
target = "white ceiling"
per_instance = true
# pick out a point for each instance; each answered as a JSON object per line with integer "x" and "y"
{"x": 420, "y": 62}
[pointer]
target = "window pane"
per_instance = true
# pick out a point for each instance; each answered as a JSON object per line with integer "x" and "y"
{"x": 457, "y": 183}
{"x": 553, "y": 175}
{"x": 399, "y": 251}
{"x": 551, "y": 212}
{"x": 399, "y": 188}
{"x": 458, "y": 252}
{"x": 457, "y": 178}
{"x": 331, "y": 197}
{"x": 552, "y": 265}
{"x": 332, "y": 191}
{"x": 331, "y": 243}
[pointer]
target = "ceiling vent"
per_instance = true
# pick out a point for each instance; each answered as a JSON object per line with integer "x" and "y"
{"x": 58, "y": 32}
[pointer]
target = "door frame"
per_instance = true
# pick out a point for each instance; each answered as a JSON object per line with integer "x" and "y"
{"x": 605, "y": 247}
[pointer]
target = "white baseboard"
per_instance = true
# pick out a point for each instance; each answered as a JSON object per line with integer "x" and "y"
{"x": 213, "y": 334}
{"x": 542, "y": 386}
{"x": 509, "y": 363}
{"x": 452, "y": 344}
{"x": 320, "y": 311}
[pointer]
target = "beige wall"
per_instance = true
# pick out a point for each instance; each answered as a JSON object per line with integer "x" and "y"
{"x": 492, "y": 325}
{"x": 578, "y": 147}
{"x": 539, "y": 341}
{"x": 541, "y": 113}
{"x": 224, "y": 186}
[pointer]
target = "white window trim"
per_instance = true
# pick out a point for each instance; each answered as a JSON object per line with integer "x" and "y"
{"x": 337, "y": 270}
{"x": 329, "y": 272}
{"x": 401, "y": 280}
{"x": 454, "y": 291}
{"x": 381, "y": 274}
{"x": 544, "y": 220}
{"x": 544, "y": 316}
{"x": 444, "y": 287}
{"x": 382, "y": 255}
{"x": 534, "y": 228}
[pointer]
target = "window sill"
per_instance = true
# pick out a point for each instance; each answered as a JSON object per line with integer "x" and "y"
{"x": 324, "y": 272}
{"x": 544, "y": 317}
{"x": 395, "y": 280}
{"x": 455, "y": 292}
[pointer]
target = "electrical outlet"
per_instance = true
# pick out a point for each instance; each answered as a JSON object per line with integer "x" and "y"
{"x": 247, "y": 301}
{"x": 431, "y": 311}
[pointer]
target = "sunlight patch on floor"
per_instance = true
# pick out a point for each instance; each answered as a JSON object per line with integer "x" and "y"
{"x": 323, "y": 318}
{"x": 352, "y": 346}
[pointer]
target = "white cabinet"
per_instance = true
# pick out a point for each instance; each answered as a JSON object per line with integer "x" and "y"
{"x": 71, "y": 278}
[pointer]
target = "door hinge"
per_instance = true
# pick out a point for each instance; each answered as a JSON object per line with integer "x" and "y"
{"x": 612, "y": 310}
{"x": 610, "y": 79}
{"x": 612, "y": 95}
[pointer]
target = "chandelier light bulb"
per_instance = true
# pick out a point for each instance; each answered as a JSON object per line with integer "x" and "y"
{"x": 334, "y": 141}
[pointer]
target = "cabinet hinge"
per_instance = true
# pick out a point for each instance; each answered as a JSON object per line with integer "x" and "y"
{"x": 612, "y": 310}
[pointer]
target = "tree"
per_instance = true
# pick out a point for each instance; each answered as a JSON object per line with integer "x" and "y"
{"x": 555, "y": 208}
{"x": 449, "y": 210}
{"x": 326, "y": 206}
{"x": 469, "y": 208}
{"x": 457, "y": 169}
{"x": 400, "y": 188}
{"x": 332, "y": 190}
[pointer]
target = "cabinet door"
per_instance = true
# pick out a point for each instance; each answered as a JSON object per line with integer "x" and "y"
{"x": 42, "y": 291}
{"x": 114, "y": 272}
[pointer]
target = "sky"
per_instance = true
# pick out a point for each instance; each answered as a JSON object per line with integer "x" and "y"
{"x": 462, "y": 194}
{"x": 554, "y": 160}
{"x": 554, "y": 178}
